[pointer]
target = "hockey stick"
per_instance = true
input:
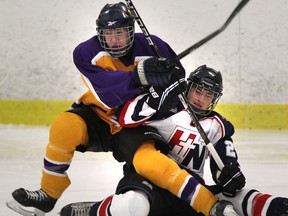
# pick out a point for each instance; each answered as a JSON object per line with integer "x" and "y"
{"x": 143, "y": 27}
{"x": 210, "y": 36}
{"x": 182, "y": 98}
{"x": 197, "y": 124}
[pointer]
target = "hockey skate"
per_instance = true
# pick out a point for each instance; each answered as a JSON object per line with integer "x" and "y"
{"x": 223, "y": 207}
{"x": 77, "y": 209}
{"x": 31, "y": 203}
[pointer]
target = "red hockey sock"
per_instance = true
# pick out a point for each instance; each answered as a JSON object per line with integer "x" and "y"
{"x": 102, "y": 209}
{"x": 258, "y": 203}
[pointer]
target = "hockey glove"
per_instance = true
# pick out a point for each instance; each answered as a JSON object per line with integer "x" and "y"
{"x": 153, "y": 71}
{"x": 161, "y": 98}
{"x": 230, "y": 179}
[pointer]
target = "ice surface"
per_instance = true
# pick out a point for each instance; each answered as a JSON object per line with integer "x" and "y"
{"x": 263, "y": 156}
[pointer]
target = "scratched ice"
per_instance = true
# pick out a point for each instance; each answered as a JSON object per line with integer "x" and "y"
{"x": 263, "y": 156}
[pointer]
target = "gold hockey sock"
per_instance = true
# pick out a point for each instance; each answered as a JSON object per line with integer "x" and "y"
{"x": 67, "y": 131}
{"x": 165, "y": 173}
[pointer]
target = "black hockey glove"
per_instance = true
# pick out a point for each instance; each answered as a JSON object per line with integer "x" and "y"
{"x": 161, "y": 98}
{"x": 153, "y": 71}
{"x": 230, "y": 179}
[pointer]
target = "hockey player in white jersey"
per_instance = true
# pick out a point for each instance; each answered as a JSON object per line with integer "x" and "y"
{"x": 138, "y": 196}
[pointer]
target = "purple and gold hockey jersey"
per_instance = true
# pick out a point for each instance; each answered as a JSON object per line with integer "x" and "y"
{"x": 109, "y": 80}
{"x": 109, "y": 84}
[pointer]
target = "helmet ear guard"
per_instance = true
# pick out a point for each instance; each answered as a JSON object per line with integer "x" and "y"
{"x": 209, "y": 79}
{"x": 116, "y": 16}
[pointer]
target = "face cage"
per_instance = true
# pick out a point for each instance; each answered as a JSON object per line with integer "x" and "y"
{"x": 117, "y": 52}
{"x": 210, "y": 108}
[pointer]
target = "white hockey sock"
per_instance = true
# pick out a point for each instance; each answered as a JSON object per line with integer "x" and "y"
{"x": 242, "y": 202}
{"x": 131, "y": 203}
{"x": 250, "y": 202}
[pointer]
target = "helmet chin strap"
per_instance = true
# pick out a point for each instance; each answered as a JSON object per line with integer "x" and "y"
{"x": 199, "y": 113}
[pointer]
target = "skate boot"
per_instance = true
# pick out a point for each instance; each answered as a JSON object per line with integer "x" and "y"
{"x": 223, "y": 207}
{"x": 78, "y": 209}
{"x": 38, "y": 199}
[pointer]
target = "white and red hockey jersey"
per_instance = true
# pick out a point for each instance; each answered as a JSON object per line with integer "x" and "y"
{"x": 187, "y": 147}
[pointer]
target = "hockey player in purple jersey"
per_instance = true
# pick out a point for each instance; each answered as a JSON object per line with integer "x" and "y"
{"x": 114, "y": 65}
{"x": 188, "y": 149}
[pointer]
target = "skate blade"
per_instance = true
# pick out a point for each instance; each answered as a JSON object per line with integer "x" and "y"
{"x": 15, "y": 206}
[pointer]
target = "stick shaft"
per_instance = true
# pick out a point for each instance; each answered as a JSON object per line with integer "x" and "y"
{"x": 182, "y": 98}
{"x": 210, "y": 36}
{"x": 197, "y": 124}
{"x": 143, "y": 27}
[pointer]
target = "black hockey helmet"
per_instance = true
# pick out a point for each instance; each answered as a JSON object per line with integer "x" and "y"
{"x": 116, "y": 16}
{"x": 208, "y": 79}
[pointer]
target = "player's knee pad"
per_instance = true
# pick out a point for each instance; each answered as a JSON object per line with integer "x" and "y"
{"x": 135, "y": 182}
{"x": 131, "y": 203}
{"x": 67, "y": 131}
